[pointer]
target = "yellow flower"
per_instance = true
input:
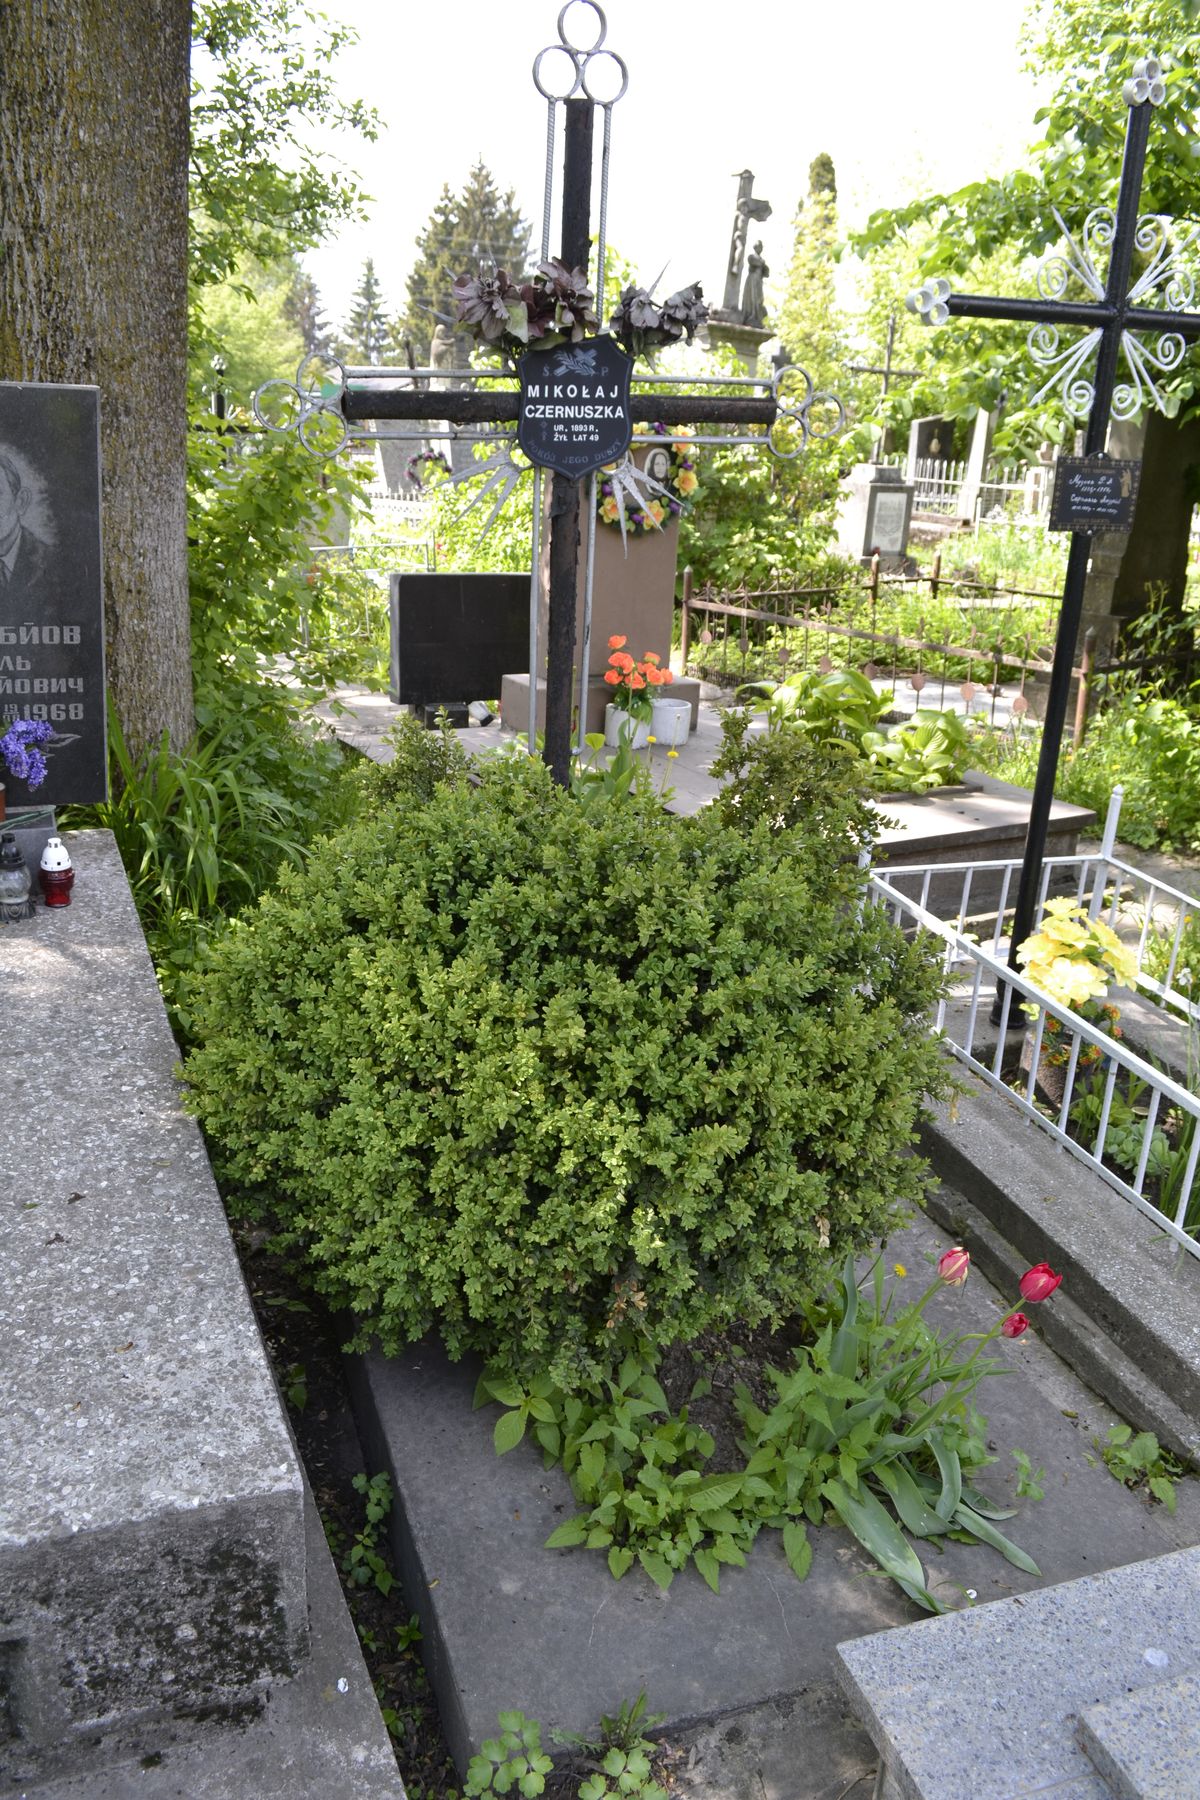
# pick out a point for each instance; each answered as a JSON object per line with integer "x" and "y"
{"x": 900, "y": 1270}
{"x": 686, "y": 482}
{"x": 670, "y": 752}
{"x": 657, "y": 510}
{"x": 609, "y": 510}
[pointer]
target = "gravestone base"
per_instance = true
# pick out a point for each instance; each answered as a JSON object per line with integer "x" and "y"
{"x": 514, "y": 701}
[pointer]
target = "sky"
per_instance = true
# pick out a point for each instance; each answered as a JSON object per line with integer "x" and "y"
{"x": 905, "y": 98}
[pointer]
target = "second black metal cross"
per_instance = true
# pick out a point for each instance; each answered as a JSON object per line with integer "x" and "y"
{"x": 1112, "y": 316}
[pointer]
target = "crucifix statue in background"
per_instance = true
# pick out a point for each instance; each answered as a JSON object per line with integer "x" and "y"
{"x": 1088, "y": 492}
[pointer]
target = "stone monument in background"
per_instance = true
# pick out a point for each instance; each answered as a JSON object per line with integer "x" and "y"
{"x": 740, "y": 320}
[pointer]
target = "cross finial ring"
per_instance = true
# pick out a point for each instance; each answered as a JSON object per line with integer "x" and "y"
{"x": 1146, "y": 83}
{"x": 583, "y": 60}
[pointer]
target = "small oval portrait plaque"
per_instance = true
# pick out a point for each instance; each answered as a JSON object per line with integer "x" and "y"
{"x": 574, "y": 406}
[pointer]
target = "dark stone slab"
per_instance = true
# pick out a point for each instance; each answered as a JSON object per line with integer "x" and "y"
{"x": 508, "y": 1623}
{"x": 453, "y": 636}
{"x": 51, "y": 599}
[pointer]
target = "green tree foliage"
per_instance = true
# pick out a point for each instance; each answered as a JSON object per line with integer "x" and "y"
{"x": 988, "y": 235}
{"x": 302, "y": 308}
{"x": 262, "y": 77}
{"x": 246, "y": 318}
{"x": 367, "y": 336}
{"x": 810, "y": 320}
{"x": 477, "y": 225}
{"x": 484, "y": 1080}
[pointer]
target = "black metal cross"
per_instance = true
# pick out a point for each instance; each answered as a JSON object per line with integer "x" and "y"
{"x": 888, "y": 370}
{"x": 374, "y": 399}
{"x": 1112, "y": 314}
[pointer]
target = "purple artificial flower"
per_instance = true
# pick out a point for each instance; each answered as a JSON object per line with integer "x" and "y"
{"x": 20, "y": 753}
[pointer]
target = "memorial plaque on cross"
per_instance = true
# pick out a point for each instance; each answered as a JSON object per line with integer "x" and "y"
{"x": 1113, "y": 312}
{"x": 567, "y": 435}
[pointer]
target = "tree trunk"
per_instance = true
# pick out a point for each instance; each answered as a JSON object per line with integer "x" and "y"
{"x": 93, "y": 288}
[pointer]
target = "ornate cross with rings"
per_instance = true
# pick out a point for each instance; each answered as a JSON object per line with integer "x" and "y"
{"x": 780, "y": 412}
{"x": 1114, "y": 313}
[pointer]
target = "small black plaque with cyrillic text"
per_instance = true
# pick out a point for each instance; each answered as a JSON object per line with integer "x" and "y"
{"x": 1094, "y": 493}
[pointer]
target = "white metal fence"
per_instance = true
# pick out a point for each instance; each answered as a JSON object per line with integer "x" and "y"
{"x": 1125, "y": 1117}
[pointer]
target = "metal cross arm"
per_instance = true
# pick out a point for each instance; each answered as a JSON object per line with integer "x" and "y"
{"x": 1113, "y": 313}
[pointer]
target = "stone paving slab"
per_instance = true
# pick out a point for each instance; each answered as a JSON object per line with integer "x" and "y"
{"x": 151, "y": 1511}
{"x": 508, "y": 1624}
{"x": 982, "y": 1705}
{"x": 1146, "y": 1745}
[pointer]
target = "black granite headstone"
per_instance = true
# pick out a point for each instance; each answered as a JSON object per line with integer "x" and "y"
{"x": 51, "y": 594}
{"x": 455, "y": 636}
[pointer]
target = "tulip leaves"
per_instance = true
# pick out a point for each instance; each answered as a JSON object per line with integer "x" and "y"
{"x": 872, "y": 1426}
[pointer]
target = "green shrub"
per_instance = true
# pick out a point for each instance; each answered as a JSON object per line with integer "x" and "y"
{"x": 1148, "y": 745}
{"x": 519, "y": 1073}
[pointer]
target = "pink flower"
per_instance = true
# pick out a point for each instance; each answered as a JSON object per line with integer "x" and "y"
{"x": 1014, "y": 1325}
{"x": 1039, "y": 1282}
{"x": 953, "y": 1266}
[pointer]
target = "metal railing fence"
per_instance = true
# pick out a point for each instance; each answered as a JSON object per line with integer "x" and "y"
{"x": 1122, "y": 1115}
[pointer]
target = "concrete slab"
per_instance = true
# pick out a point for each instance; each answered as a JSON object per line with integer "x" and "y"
{"x": 982, "y": 1705}
{"x": 1146, "y": 1745}
{"x": 317, "y": 1737}
{"x": 507, "y": 1623}
{"x": 151, "y": 1517}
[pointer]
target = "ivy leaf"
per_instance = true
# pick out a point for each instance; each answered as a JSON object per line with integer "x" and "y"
{"x": 797, "y": 1548}
{"x": 570, "y": 1533}
{"x": 658, "y": 1571}
{"x": 709, "y": 1567}
{"x": 510, "y": 1429}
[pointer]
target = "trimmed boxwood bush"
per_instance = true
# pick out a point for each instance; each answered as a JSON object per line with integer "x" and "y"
{"x": 500, "y": 1068}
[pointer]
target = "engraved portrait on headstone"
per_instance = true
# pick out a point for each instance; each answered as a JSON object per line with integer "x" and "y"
{"x": 51, "y": 596}
{"x": 26, "y": 529}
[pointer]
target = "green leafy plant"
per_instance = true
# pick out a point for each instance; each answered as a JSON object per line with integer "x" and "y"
{"x": 1029, "y": 1479}
{"x": 484, "y": 1080}
{"x": 833, "y": 707}
{"x": 1140, "y": 1461}
{"x": 364, "y": 1563}
{"x": 873, "y": 1424}
{"x": 931, "y": 750}
{"x": 783, "y": 780}
{"x": 622, "y": 1773}
{"x": 514, "y": 1762}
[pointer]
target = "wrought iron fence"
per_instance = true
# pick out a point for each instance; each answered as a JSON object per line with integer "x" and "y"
{"x": 754, "y": 634}
{"x": 1128, "y": 1119}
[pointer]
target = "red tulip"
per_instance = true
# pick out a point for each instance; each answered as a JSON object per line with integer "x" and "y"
{"x": 1039, "y": 1282}
{"x": 1014, "y": 1325}
{"x": 953, "y": 1266}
